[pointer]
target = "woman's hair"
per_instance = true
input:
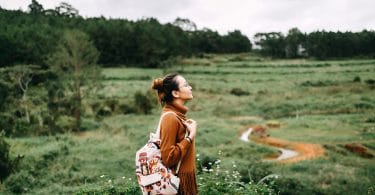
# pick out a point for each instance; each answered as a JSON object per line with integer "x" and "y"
{"x": 165, "y": 86}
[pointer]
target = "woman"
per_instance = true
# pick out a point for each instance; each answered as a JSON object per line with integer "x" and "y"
{"x": 173, "y": 92}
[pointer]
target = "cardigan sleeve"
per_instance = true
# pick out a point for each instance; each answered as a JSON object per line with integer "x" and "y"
{"x": 172, "y": 150}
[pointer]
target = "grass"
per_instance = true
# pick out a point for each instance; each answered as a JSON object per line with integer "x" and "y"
{"x": 315, "y": 101}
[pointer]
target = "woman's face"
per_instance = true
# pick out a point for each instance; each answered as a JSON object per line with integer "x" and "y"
{"x": 184, "y": 89}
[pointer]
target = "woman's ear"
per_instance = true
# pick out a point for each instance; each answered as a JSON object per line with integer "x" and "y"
{"x": 175, "y": 94}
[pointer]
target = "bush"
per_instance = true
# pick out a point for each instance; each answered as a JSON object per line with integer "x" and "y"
{"x": 291, "y": 186}
{"x": 5, "y": 161}
{"x": 89, "y": 124}
{"x": 22, "y": 127}
{"x": 217, "y": 181}
{"x": 4, "y": 92}
{"x": 20, "y": 182}
{"x": 7, "y": 123}
{"x": 370, "y": 119}
{"x": 239, "y": 92}
{"x": 143, "y": 102}
{"x": 370, "y": 81}
{"x": 127, "y": 109}
{"x": 65, "y": 123}
{"x": 357, "y": 79}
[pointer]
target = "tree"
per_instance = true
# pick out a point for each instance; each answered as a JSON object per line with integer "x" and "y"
{"x": 74, "y": 64}
{"x": 22, "y": 75}
{"x": 236, "y": 42}
{"x": 185, "y": 24}
{"x": 272, "y": 43}
{"x": 65, "y": 9}
{"x": 35, "y": 7}
{"x": 293, "y": 42}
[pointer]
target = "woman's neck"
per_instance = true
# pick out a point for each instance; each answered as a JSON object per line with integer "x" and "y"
{"x": 179, "y": 106}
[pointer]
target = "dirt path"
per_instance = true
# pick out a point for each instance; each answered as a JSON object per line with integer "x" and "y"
{"x": 305, "y": 151}
{"x": 291, "y": 151}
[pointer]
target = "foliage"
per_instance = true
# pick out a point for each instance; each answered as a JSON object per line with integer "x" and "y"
{"x": 215, "y": 179}
{"x": 5, "y": 161}
{"x": 238, "y": 92}
{"x": 74, "y": 63}
{"x": 294, "y": 41}
{"x": 272, "y": 44}
{"x": 29, "y": 37}
{"x": 18, "y": 105}
{"x": 318, "y": 44}
{"x": 286, "y": 186}
{"x": 144, "y": 102}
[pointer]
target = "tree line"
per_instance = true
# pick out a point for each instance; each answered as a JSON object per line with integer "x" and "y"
{"x": 318, "y": 44}
{"x": 28, "y": 37}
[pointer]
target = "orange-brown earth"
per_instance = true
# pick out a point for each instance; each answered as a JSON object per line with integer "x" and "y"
{"x": 306, "y": 151}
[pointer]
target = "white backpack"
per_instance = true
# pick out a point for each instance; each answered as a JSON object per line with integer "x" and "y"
{"x": 153, "y": 177}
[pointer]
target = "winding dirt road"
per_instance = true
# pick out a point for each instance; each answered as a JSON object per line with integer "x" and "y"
{"x": 291, "y": 151}
{"x": 305, "y": 151}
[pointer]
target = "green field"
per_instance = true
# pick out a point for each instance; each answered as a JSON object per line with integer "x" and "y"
{"x": 330, "y": 103}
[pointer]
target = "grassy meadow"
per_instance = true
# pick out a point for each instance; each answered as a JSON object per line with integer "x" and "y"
{"x": 330, "y": 103}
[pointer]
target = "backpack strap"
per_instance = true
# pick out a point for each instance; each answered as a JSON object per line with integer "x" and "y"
{"x": 158, "y": 133}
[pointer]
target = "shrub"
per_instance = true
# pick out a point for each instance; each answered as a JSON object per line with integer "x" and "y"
{"x": 370, "y": 119}
{"x": 20, "y": 182}
{"x": 113, "y": 104}
{"x": 357, "y": 79}
{"x": 127, "y": 109}
{"x": 5, "y": 161}
{"x": 104, "y": 111}
{"x": 6, "y": 123}
{"x": 22, "y": 127}
{"x": 89, "y": 124}
{"x": 370, "y": 81}
{"x": 65, "y": 123}
{"x": 143, "y": 102}
{"x": 286, "y": 186}
{"x": 217, "y": 181}
{"x": 239, "y": 92}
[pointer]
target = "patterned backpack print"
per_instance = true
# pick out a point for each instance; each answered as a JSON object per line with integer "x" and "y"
{"x": 153, "y": 177}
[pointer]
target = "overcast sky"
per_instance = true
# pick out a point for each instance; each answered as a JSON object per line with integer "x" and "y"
{"x": 249, "y": 16}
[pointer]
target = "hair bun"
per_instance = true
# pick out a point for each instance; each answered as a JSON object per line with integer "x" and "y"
{"x": 157, "y": 84}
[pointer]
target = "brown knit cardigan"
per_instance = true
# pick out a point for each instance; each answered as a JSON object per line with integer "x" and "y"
{"x": 174, "y": 147}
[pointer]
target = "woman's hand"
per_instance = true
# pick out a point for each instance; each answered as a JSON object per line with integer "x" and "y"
{"x": 192, "y": 127}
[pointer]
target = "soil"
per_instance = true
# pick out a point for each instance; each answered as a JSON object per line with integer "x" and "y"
{"x": 297, "y": 151}
{"x": 306, "y": 151}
